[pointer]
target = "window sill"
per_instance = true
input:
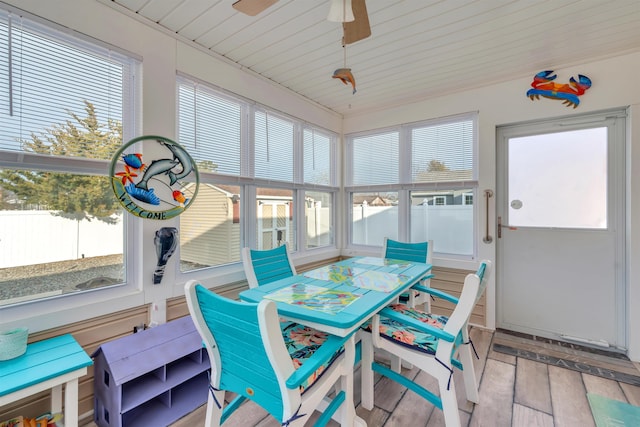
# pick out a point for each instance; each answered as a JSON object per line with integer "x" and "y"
{"x": 59, "y": 311}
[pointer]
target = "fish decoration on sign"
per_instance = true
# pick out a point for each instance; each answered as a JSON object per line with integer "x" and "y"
{"x": 345, "y": 75}
{"x": 179, "y": 197}
{"x": 543, "y": 85}
{"x": 153, "y": 177}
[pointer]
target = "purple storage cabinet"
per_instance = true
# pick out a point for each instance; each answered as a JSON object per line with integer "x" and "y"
{"x": 151, "y": 378}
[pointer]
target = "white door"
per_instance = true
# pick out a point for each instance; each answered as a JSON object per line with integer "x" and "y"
{"x": 560, "y": 208}
{"x": 273, "y": 224}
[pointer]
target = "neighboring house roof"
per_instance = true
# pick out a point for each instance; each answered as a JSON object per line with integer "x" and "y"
{"x": 228, "y": 189}
{"x": 432, "y": 193}
{"x": 371, "y": 200}
{"x": 419, "y": 197}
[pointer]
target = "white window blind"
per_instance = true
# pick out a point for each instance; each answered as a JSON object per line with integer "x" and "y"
{"x": 274, "y": 138}
{"x": 317, "y": 157}
{"x": 210, "y": 127}
{"x": 442, "y": 152}
{"x": 47, "y": 76}
{"x": 375, "y": 159}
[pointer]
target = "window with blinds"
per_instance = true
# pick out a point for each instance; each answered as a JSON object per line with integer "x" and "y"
{"x": 273, "y": 145}
{"x": 318, "y": 157}
{"x": 375, "y": 159}
{"x": 415, "y": 183}
{"x": 48, "y": 77}
{"x": 277, "y": 158}
{"x": 442, "y": 152}
{"x": 66, "y": 105}
{"x": 210, "y": 127}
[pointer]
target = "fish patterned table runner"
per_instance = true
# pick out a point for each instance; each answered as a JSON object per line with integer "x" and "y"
{"x": 334, "y": 273}
{"x": 314, "y": 297}
{"x": 379, "y": 281}
{"x": 361, "y": 277}
{"x": 388, "y": 262}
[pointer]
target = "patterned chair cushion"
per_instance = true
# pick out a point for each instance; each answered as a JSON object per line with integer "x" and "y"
{"x": 407, "y": 335}
{"x": 302, "y": 341}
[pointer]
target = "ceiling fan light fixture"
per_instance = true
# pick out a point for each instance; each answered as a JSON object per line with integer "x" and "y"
{"x": 340, "y": 11}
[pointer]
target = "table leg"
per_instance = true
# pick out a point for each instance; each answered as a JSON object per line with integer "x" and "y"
{"x": 56, "y": 399}
{"x": 71, "y": 403}
{"x": 366, "y": 372}
{"x": 346, "y": 414}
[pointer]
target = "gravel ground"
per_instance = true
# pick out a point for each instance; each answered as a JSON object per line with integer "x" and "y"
{"x": 56, "y": 277}
{"x": 18, "y": 283}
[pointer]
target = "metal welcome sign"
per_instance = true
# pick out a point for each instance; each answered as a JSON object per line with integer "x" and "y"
{"x": 153, "y": 177}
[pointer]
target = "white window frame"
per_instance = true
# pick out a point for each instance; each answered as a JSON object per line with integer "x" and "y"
{"x": 249, "y": 183}
{"x": 464, "y": 198}
{"x": 66, "y": 308}
{"x": 406, "y": 185}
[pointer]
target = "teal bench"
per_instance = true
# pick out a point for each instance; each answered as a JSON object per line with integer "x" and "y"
{"x": 47, "y": 364}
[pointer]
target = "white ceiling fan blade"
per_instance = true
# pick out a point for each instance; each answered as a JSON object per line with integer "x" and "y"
{"x": 340, "y": 11}
{"x": 252, "y": 7}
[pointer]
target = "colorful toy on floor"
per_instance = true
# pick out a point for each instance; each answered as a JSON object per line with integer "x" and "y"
{"x": 45, "y": 420}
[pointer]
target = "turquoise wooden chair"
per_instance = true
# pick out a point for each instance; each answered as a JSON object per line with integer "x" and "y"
{"x": 266, "y": 266}
{"x": 286, "y": 368}
{"x": 416, "y": 252}
{"x": 432, "y": 343}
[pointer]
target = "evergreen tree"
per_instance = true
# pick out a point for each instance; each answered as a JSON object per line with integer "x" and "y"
{"x": 69, "y": 195}
{"x": 436, "y": 166}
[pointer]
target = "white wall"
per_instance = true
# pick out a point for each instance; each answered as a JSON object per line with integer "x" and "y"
{"x": 506, "y": 103}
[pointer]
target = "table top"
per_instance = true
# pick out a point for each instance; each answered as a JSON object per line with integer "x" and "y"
{"x": 377, "y": 282}
{"x": 42, "y": 361}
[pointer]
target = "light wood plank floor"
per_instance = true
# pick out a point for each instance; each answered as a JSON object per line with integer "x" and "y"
{"x": 514, "y": 392}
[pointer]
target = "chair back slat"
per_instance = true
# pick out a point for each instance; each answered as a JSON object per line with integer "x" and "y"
{"x": 483, "y": 272}
{"x": 271, "y": 265}
{"x": 245, "y": 367}
{"x": 416, "y": 252}
{"x": 472, "y": 290}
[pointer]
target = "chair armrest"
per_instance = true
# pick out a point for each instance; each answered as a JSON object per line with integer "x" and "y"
{"x": 423, "y": 327}
{"x": 322, "y": 355}
{"x": 440, "y": 294}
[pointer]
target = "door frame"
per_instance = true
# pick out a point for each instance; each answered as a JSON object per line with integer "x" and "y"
{"x": 615, "y": 119}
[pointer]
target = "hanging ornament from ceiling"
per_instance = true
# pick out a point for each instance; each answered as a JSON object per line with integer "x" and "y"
{"x": 344, "y": 74}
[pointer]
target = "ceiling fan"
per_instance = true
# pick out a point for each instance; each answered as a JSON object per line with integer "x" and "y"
{"x": 352, "y": 14}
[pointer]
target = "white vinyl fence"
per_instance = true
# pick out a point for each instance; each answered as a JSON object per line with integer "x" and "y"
{"x": 37, "y": 237}
{"x": 450, "y": 227}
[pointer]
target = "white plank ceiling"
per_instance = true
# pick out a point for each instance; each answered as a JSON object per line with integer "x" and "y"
{"x": 418, "y": 48}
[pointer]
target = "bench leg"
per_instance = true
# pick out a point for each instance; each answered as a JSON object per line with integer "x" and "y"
{"x": 71, "y": 403}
